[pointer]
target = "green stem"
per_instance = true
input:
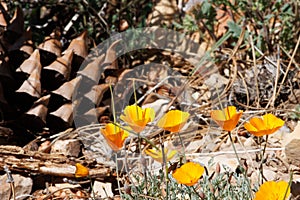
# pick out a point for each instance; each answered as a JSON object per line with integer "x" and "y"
{"x": 138, "y": 135}
{"x": 289, "y": 185}
{"x": 261, "y": 166}
{"x": 113, "y": 104}
{"x": 196, "y": 192}
{"x": 244, "y": 172}
{"x": 134, "y": 93}
{"x": 164, "y": 165}
{"x": 93, "y": 192}
{"x": 183, "y": 148}
{"x": 117, "y": 170}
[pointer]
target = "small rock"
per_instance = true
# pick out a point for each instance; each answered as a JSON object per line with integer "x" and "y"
{"x": 67, "y": 147}
{"x": 249, "y": 142}
{"x": 103, "y": 190}
{"x": 269, "y": 174}
{"x": 292, "y": 146}
{"x": 23, "y": 186}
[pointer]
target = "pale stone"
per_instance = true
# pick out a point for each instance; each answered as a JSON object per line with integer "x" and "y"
{"x": 66, "y": 147}
{"x": 103, "y": 190}
{"x": 292, "y": 146}
{"x": 22, "y": 185}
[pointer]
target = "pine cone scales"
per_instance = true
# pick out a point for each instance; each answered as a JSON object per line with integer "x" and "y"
{"x": 40, "y": 82}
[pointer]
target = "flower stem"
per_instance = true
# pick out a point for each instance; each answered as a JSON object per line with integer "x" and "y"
{"x": 113, "y": 104}
{"x": 197, "y": 192}
{"x": 164, "y": 165}
{"x": 183, "y": 148}
{"x": 117, "y": 170}
{"x": 244, "y": 172}
{"x": 262, "y": 160}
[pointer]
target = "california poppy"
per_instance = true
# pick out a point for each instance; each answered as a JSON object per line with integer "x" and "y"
{"x": 173, "y": 120}
{"x": 137, "y": 118}
{"x": 227, "y": 118}
{"x": 272, "y": 190}
{"x": 157, "y": 154}
{"x": 189, "y": 173}
{"x": 81, "y": 171}
{"x": 265, "y": 125}
{"x": 114, "y": 135}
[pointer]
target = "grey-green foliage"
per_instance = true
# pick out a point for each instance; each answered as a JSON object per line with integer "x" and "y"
{"x": 271, "y": 22}
{"x": 227, "y": 185}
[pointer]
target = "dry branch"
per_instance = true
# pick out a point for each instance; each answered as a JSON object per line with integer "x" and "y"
{"x": 19, "y": 160}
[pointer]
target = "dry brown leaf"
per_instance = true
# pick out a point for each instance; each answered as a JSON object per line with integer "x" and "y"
{"x": 163, "y": 13}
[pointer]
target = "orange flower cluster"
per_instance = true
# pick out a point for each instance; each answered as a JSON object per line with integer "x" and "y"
{"x": 137, "y": 119}
{"x": 228, "y": 118}
{"x": 173, "y": 121}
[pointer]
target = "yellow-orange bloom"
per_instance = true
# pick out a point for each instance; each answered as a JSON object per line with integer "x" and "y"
{"x": 272, "y": 190}
{"x": 157, "y": 154}
{"x": 81, "y": 171}
{"x": 173, "y": 120}
{"x": 137, "y": 118}
{"x": 114, "y": 135}
{"x": 264, "y": 125}
{"x": 189, "y": 173}
{"x": 227, "y": 118}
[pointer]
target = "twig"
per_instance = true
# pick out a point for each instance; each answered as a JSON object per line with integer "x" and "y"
{"x": 217, "y": 153}
{"x": 272, "y": 100}
{"x": 289, "y": 65}
{"x": 265, "y": 57}
{"x": 246, "y": 88}
{"x": 10, "y": 180}
{"x": 255, "y": 66}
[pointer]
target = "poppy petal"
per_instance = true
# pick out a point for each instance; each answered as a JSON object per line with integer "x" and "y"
{"x": 81, "y": 171}
{"x": 271, "y": 190}
{"x": 265, "y": 125}
{"x": 227, "y": 118}
{"x": 173, "y": 120}
{"x": 188, "y": 174}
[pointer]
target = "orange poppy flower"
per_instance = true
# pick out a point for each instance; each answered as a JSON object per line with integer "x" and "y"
{"x": 188, "y": 174}
{"x": 272, "y": 190}
{"x": 173, "y": 120}
{"x": 157, "y": 154}
{"x": 114, "y": 135}
{"x": 227, "y": 118}
{"x": 264, "y": 125}
{"x": 81, "y": 171}
{"x": 137, "y": 118}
